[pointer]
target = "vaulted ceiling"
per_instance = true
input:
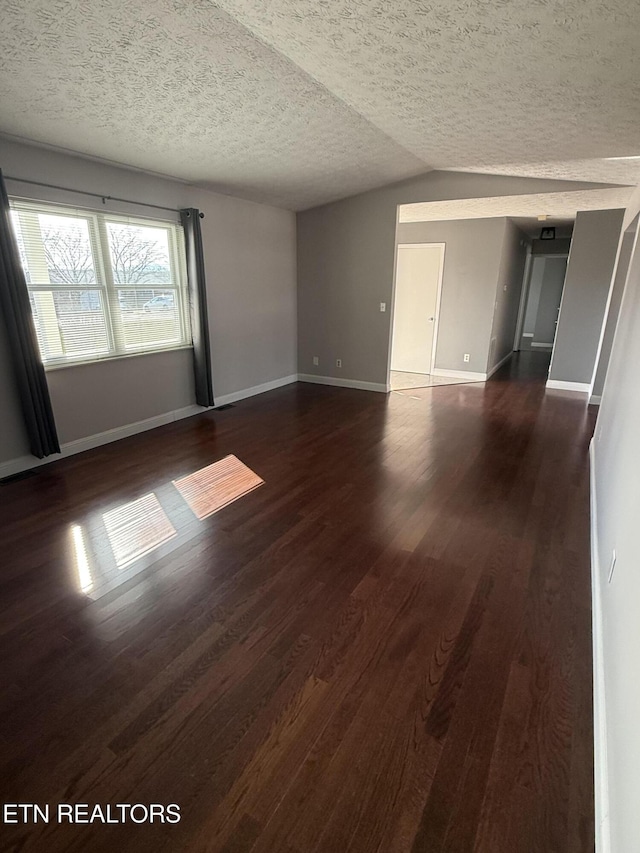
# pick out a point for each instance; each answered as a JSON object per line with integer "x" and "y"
{"x": 298, "y": 102}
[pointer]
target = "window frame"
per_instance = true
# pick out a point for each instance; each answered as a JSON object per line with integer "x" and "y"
{"x": 106, "y": 285}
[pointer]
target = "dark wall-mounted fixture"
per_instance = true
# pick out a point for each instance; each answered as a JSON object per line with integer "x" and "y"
{"x": 548, "y": 233}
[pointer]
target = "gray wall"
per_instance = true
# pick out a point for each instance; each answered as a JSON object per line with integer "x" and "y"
{"x": 87, "y": 397}
{"x": 250, "y": 255}
{"x": 543, "y": 300}
{"x": 512, "y": 258}
{"x": 471, "y": 268}
{"x": 345, "y": 267}
{"x": 555, "y": 270}
{"x": 592, "y": 257}
{"x": 616, "y": 476}
{"x": 560, "y": 246}
{"x": 533, "y": 300}
{"x": 614, "y": 309}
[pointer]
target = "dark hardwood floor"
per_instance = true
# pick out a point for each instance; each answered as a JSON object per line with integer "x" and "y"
{"x": 386, "y": 647}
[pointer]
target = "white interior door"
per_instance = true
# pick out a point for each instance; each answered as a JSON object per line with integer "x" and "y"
{"x": 418, "y": 272}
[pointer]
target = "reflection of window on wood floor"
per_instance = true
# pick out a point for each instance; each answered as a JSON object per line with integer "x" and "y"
{"x": 112, "y": 547}
{"x": 136, "y": 528}
{"x": 208, "y": 490}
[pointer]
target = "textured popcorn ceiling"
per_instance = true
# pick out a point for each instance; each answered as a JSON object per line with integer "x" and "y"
{"x": 298, "y": 102}
{"x": 598, "y": 171}
{"x": 562, "y": 205}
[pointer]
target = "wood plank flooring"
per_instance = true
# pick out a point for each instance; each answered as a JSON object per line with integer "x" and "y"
{"x": 386, "y": 647}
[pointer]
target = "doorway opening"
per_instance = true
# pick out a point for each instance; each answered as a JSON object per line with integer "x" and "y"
{"x": 540, "y": 307}
{"x": 416, "y": 306}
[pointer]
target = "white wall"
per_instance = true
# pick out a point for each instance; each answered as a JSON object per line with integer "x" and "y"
{"x": 250, "y": 257}
{"x": 616, "y": 496}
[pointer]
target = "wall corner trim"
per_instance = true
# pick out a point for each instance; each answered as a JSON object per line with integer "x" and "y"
{"x": 343, "y": 383}
{"x": 560, "y": 385}
{"x": 601, "y": 773}
{"x": 595, "y": 400}
{"x": 460, "y": 374}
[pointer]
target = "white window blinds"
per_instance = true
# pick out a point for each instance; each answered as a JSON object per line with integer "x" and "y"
{"x": 100, "y": 285}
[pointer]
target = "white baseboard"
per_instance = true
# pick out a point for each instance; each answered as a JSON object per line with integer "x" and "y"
{"x": 499, "y": 364}
{"x": 342, "y": 383}
{"x": 538, "y": 345}
{"x": 601, "y": 772}
{"x": 255, "y": 390}
{"x": 70, "y": 448}
{"x": 459, "y": 374}
{"x": 22, "y": 463}
{"x": 559, "y": 385}
{"x": 109, "y": 435}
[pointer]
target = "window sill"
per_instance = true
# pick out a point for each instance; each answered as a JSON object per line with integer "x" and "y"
{"x": 118, "y": 357}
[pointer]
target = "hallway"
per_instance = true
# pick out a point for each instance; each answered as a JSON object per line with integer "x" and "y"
{"x": 386, "y": 647}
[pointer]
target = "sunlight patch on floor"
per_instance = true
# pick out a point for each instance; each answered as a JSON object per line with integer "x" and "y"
{"x": 211, "y": 488}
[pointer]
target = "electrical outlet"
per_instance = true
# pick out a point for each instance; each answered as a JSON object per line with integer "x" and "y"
{"x": 383, "y": 307}
{"x": 338, "y": 362}
{"x": 612, "y": 566}
{"x": 316, "y": 360}
{"x": 466, "y": 356}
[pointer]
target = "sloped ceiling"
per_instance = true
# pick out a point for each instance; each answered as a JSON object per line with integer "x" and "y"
{"x": 298, "y": 102}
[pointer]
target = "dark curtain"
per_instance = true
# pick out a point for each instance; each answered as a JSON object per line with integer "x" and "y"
{"x": 190, "y": 218}
{"x": 23, "y": 343}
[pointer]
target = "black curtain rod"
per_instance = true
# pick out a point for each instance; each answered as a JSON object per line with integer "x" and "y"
{"x": 104, "y": 198}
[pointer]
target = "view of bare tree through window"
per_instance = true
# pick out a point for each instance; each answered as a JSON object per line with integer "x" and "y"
{"x": 138, "y": 255}
{"x": 67, "y": 250}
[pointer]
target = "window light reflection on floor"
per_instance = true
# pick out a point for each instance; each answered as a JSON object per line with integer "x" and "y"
{"x": 136, "y": 528}
{"x": 208, "y": 490}
{"x": 85, "y": 581}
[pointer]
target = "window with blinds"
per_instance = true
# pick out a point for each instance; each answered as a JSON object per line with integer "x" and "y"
{"x": 101, "y": 286}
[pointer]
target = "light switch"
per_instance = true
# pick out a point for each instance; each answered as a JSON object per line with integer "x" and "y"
{"x": 383, "y": 306}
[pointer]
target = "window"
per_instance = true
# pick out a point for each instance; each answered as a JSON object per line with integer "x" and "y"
{"x": 101, "y": 286}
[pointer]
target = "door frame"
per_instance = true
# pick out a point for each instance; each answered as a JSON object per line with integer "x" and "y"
{"x": 436, "y": 316}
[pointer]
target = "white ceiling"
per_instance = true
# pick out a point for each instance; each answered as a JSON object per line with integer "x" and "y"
{"x": 563, "y": 205}
{"x": 298, "y": 102}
